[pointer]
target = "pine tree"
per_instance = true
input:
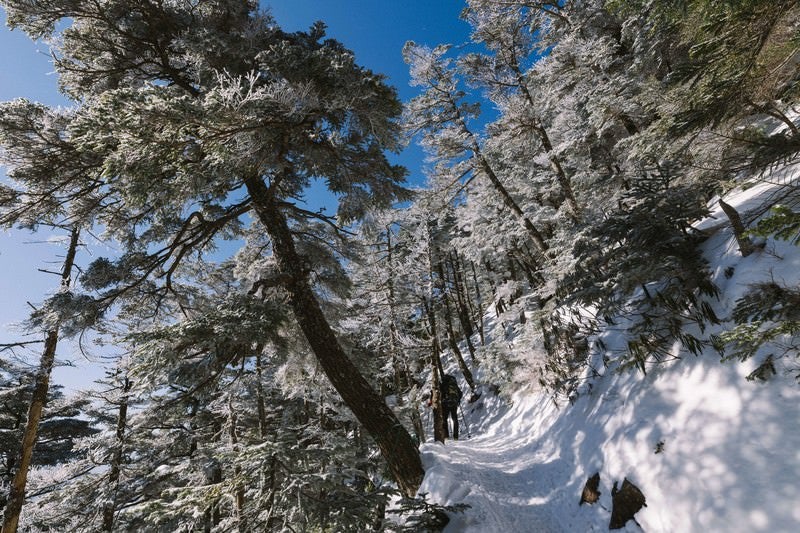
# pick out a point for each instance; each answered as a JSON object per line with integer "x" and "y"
{"x": 62, "y": 423}
{"x": 16, "y": 496}
{"x": 51, "y": 185}
{"x": 441, "y": 115}
{"x": 212, "y": 101}
{"x": 508, "y": 31}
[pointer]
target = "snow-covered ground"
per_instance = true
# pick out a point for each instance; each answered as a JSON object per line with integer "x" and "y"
{"x": 728, "y": 449}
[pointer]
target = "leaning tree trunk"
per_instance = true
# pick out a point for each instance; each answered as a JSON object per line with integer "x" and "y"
{"x": 16, "y": 496}
{"x": 563, "y": 180}
{"x": 483, "y": 165}
{"x": 394, "y": 442}
{"x": 508, "y": 200}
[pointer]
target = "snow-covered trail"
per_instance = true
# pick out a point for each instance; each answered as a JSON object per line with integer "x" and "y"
{"x": 488, "y": 474}
{"x": 512, "y": 477}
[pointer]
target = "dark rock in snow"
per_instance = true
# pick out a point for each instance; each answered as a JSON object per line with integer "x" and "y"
{"x": 626, "y": 502}
{"x": 590, "y": 492}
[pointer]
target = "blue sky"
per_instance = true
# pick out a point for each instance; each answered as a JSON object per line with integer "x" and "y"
{"x": 374, "y": 29}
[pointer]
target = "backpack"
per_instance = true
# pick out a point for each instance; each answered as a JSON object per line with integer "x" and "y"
{"x": 451, "y": 394}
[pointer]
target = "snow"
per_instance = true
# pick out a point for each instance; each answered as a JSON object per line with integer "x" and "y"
{"x": 728, "y": 449}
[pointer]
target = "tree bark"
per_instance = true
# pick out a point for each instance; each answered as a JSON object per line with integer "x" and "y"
{"x": 394, "y": 442}
{"x": 451, "y": 336}
{"x": 464, "y": 309}
{"x": 439, "y": 421}
{"x": 436, "y": 371}
{"x": 16, "y": 496}
{"x": 110, "y": 507}
{"x": 480, "y": 304}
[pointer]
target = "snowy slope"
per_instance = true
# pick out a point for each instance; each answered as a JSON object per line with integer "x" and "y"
{"x": 730, "y": 454}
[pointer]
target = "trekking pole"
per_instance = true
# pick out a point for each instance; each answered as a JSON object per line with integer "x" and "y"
{"x": 464, "y": 418}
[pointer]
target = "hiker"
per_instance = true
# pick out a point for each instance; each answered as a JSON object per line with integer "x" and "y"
{"x": 451, "y": 397}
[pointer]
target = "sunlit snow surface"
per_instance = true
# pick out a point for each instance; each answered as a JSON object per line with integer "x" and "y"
{"x": 731, "y": 447}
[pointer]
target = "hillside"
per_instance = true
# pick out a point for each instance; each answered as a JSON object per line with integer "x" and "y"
{"x": 709, "y": 449}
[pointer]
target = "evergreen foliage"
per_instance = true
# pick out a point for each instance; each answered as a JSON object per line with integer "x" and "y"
{"x": 62, "y": 425}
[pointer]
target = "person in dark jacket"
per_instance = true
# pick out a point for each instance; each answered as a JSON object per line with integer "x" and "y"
{"x": 451, "y": 397}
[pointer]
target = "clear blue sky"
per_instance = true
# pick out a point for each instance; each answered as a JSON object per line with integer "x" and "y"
{"x": 374, "y": 29}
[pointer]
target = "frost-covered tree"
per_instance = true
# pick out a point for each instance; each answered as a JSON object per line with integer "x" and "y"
{"x": 383, "y": 307}
{"x": 235, "y": 426}
{"x": 267, "y": 444}
{"x": 227, "y": 115}
{"x": 441, "y": 115}
{"x": 738, "y": 56}
{"x": 86, "y": 492}
{"x": 722, "y": 68}
{"x": 62, "y": 423}
{"x": 51, "y": 184}
{"x": 49, "y": 319}
{"x": 581, "y": 131}
{"x": 515, "y": 34}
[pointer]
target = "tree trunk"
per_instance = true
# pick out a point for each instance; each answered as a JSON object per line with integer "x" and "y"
{"x": 508, "y": 200}
{"x": 563, "y": 180}
{"x": 481, "y": 326}
{"x": 110, "y": 507}
{"x": 462, "y": 296}
{"x": 439, "y": 420}
{"x": 464, "y": 309}
{"x": 416, "y": 422}
{"x": 436, "y": 371}
{"x": 451, "y": 336}
{"x": 484, "y": 166}
{"x": 273, "y": 488}
{"x": 260, "y": 401}
{"x": 561, "y": 177}
{"x": 16, "y": 496}
{"x": 238, "y": 490}
{"x": 394, "y": 442}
